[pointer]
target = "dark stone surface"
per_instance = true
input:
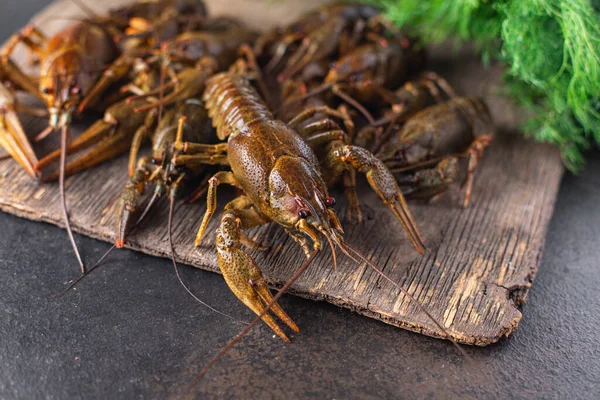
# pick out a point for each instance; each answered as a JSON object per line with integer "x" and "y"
{"x": 131, "y": 331}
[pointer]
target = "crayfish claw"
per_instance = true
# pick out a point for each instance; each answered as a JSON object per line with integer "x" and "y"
{"x": 381, "y": 181}
{"x": 12, "y": 135}
{"x": 127, "y": 206}
{"x": 244, "y": 277}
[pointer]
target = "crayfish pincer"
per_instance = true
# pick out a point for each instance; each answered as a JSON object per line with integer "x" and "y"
{"x": 281, "y": 181}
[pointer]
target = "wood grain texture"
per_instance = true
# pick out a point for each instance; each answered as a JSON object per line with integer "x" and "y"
{"x": 480, "y": 262}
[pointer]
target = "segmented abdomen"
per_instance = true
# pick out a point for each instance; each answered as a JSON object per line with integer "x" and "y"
{"x": 232, "y": 103}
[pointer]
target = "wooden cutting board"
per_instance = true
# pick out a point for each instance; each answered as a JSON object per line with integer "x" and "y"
{"x": 480, "y": 261}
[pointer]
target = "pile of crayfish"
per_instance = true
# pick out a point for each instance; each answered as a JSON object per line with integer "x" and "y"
{"x": 282, "y": 116}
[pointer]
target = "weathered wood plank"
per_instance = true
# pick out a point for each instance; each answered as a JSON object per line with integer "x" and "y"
{"x": 480, "y": 261}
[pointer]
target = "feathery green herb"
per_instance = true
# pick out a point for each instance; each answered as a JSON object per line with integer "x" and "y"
{"x": 551, "y": 48}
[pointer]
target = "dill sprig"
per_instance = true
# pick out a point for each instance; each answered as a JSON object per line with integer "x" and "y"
{"x": 552, "y": 52}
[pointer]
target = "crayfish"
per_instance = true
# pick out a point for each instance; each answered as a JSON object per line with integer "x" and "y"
{"x": 79, "y": 64}
{"x": 282, "y": 182}
{"x": 167, "y": 168}
{"x": 71, "y": 63}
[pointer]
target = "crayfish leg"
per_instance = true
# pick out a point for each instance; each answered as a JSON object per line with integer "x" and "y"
{"x": 211, "y": 199}
{"x": 141, "y": 133}
{"x": 475, "y": 153}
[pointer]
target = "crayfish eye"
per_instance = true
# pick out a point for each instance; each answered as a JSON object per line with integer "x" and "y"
{"x": 47, "y": 90}
{"x": 303, "y": 213}
{"x": 76, "y": 89}
{"x": 330, "y": 202}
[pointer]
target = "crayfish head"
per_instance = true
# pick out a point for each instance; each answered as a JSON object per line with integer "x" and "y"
{"x": 62, "y": 87}
{"x": 299, "y": 199}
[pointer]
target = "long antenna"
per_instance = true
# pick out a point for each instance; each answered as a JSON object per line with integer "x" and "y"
{"x": 61, "y": 185}
{"x": 346, "y": 246}
{"x": 252, "y": 324}
{"x": 86, "y": 273}
{"x": 99, "y": 262}
{"x": 176, "y": 268}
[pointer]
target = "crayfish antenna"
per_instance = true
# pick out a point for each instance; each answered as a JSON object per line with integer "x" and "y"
{"x": 346, "y": 248}
{"x": 176, "y": 268}
{"x": 145, "y": 212}
{"x": 328, "y": 236}
{"x": 412, "y": 167}
{"x": 86, "y": 273}
{"x": 99, "y": 262}
{"x": 61, "y": 184}
{"x": 255, "y": 321}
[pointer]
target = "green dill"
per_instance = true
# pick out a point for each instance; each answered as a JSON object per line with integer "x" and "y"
{"x": 552, "y": 52}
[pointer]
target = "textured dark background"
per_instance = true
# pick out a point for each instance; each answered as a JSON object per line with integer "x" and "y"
{"x": 131, "y": 331}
